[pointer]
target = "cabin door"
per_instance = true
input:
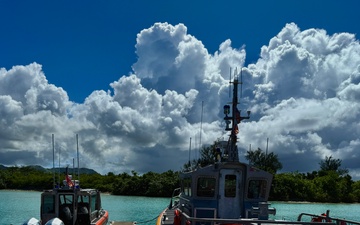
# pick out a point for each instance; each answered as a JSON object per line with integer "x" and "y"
{"x": 229, "y": 194}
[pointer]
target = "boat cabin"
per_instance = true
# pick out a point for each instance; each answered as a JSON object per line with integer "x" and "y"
{"x": 72, "y": 206}
{"x": 229, "y": 190}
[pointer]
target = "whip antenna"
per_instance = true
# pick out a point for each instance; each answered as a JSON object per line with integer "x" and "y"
{"x": 77, "y": 152}
{"x": 241, "y": 83}
{"x": 230, "y": 84}
{"x": 53, "y": 147}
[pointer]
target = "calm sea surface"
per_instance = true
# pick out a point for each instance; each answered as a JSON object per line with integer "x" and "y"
{"x": 18, "y": 206}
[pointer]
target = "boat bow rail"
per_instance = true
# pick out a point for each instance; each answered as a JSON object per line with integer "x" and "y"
{"x": 327, "y": 219}
{"x": 193, "y": 220}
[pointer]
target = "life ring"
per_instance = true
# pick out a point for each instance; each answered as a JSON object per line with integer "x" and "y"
{"x": 177, "y": 218}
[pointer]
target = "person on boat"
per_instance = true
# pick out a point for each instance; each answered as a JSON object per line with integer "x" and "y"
{"x": 322, "y": 218}
{"x": 316, "y": 219}
{"x": 327, "y": 219}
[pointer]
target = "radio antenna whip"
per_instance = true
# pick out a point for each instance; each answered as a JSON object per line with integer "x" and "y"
{"x": 241, "y": 83}
{"x": 230, "y": 85}
{"x": 77, "y": 152}
{"x": 53, "y": 147}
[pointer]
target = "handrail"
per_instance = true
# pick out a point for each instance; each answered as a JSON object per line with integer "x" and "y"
{"x": 338, "y": 221}
{"x": 251, "y": 221}
{"x": 173, "y": 197}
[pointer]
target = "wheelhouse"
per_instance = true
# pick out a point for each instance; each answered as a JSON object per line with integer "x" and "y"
{"x": 224, "y": 190}
{"x": 71, "y": 206}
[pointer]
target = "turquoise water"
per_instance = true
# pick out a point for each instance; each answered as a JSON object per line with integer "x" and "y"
{"x": 131, "y": 208}
{"x": 290, "y": 211}
{"x": 18, "y": 206}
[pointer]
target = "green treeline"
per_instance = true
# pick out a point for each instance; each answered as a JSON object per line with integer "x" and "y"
{"x": 149, "y": 184}
{"x": 330, "y": 183}
{"x": 315, "y": 187}
{"x": 318, "y": 186}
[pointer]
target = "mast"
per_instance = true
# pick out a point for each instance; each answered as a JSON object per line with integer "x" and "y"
{"x": 234, "y": 119}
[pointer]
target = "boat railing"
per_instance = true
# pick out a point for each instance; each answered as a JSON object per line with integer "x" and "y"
{"x": 251, "y": 221}
{"x": 174, "y": 198}
{"x": 326, "y": 217}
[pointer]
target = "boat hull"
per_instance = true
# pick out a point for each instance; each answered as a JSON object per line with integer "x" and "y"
{"x": 102, "y": 220}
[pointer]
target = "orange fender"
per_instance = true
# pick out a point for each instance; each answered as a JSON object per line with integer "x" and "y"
{"x": 177, "y": 218}
{"x": 103, "y": 219}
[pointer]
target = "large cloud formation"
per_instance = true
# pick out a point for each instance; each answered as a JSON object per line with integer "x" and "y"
{"x": 303, "y": 93}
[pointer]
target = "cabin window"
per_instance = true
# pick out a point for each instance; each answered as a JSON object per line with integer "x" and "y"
{"x": 257, "y": 189}
{"x": 83, "y": 203}
{"x": 206, "y": 187}
{"x": 93, "y": 203}
{"x": 230, "y": 185}
{"x": 66, "y": 199}
{"x": 186, "y": 185}
{"x": 48, "y": 204}
{"x": 83, "y": 199}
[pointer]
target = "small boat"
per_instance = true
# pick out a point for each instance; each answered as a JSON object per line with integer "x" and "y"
{"x": 228, "y": 192}
{"x": 70, "y": 205}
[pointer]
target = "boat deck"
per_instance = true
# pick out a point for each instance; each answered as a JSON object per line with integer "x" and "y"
{"x": 169, "y": 217}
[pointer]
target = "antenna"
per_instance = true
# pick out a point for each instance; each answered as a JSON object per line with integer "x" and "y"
{"x": 266, "y": 152}
{"x": 189, "y": 151}
{"x": 234, "y": 118}
{"x": 202, "y": 110}
{"x": 241, "y": 83}
{"x": 59, "y": 166}
{"x": 267, "y": 146}
{"x": 73, "y": 173}
{"x": 77, "y": 150}
{"x": 53, "y": 146}
{"x": 249, "y": 151}
{"x": 230, "y": 84}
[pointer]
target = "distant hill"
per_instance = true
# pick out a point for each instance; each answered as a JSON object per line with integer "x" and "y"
{"x": 71, "y": 170}
{"x": 37, "y": 167}
{"x": 57, "y": 170}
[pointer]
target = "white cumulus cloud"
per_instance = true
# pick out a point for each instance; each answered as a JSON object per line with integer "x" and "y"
{"x": 303, "y": 92}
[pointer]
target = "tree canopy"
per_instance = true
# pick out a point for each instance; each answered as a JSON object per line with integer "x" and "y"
{"x": 268, "y": 162}
{"x": 331, "y": 164}
{"x": 324, "y": 185}
{"x": 208, "y": 156}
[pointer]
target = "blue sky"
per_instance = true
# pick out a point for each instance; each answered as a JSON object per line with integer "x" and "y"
{"x": 130, "y": 78}
{"x": 84, "y": 46}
